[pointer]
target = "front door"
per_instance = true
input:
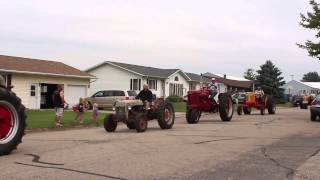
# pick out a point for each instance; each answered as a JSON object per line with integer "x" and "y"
{"x": 34, "y": 96}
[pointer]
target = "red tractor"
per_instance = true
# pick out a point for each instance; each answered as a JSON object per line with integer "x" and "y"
{"x": 12, "y": 119}
{"x": 200, "y": 101}
{"x": 261, "y": 103}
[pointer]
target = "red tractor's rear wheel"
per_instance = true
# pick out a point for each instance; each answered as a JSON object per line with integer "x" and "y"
{"x": 12, "y": 121}
{"x": 225, "y": 107}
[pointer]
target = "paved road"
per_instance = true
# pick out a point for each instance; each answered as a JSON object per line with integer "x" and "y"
{"x": 282, "y": 146}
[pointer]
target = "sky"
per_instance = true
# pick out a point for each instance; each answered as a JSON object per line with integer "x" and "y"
{"x": 225, "y": 37}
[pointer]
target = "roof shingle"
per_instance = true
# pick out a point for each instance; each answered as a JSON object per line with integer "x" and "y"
{"x": 27, "y": 65}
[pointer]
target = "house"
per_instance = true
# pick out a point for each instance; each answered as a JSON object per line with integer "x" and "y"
{"x": 226, "y": 83}
{"x": 162, "y": 82}
{"x": 295, "y": 87}
{"x": 34, "y": 81}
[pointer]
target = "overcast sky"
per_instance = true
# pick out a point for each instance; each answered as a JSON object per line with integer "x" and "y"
{"x": 194, "y": 35}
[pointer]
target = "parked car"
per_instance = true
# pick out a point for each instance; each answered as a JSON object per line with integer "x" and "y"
{"x": 315, "y": 108}
{"x": 107, "y": 98}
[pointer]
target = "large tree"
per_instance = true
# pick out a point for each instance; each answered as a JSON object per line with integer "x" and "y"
{"x": 270, "y": 79}
{"x": 311, "y": 77}
{"x": 312, "y": 21}
{"x": 250, "y": 74}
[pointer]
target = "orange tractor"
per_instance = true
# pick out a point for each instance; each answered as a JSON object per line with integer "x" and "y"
{"x": 253, "y": 101}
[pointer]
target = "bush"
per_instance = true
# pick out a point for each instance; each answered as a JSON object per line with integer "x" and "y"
{"x": 174, "y": 99}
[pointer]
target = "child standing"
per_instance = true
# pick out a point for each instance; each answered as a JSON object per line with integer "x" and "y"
{"x": 80, "y": 114}
{"x": 95, "y": 113}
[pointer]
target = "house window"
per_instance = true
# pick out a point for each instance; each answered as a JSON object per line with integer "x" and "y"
{"x": 176, "y": 78}
{"x": 135, "y": 84}
{"x": 33, "y": 90}
{"x": 153, "y": 84}
{"x": 176, "y": 89}
{"x": 192, "y": 86}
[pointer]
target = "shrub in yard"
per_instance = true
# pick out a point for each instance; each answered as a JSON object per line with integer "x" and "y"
{"x": 174, "y": 99}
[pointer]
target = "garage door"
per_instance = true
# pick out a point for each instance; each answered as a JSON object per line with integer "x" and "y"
{"x": 75, "y": 93}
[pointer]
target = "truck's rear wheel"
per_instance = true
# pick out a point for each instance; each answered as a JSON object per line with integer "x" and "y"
{"x": 110, "y": 123}
{"x": 166, "y": 116}
{"x": 194, "y": 116}
{"x": 12, "y": 121}
{"x": 225, "y": 107}
{"x": 141, "y": 123}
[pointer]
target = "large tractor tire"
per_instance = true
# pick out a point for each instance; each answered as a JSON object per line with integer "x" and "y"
{"x": 110, "y": 123}
{"x": 141, "y": 123}
{"x": 12, "y": 121}
{"x": 131, "y": 125}
{"x": 225, "y": 107}
{"x": 193, "y": 116}
{"x": 166, "y": 116}
{"x": 271, "y": 105}
{"x": 246, "y": 110}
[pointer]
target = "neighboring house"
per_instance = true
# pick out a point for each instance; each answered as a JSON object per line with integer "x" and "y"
{"x": 34, "y": 81}
{"x": 229, "y": 83}
{"x": 295, "y": 87}
{"x": 122, "y": 76}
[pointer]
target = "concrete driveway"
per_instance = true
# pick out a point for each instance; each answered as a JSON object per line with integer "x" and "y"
{"x": 282, "y": 146}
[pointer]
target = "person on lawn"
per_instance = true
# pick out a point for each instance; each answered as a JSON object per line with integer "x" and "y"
{"x": 80, "y": 111}
{"x": 58, "y": 103}
{"x": 145, "y": 96}
{"x": 95, "y": 113}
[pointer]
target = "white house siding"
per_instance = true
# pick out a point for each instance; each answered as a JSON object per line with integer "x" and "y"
{"x": 296, "y": 87}
{"x": 182, "y": 80}
{"x": 22, "y": 83}
{"x": 111, "y": 78}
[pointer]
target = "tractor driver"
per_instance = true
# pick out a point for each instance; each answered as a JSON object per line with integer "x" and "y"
{"x": 259, "y": 93}
{"x": 213, "y": 88}
{"x": 145, "y": 96}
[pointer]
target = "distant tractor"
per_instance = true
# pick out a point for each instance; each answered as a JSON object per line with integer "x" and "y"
{"x": 261, "y": 103}
{"x": 135, "y": 115}
{"x": 12, "y": 119}
{"x": 305, "y": 101}
{"x": 199, "y": 101}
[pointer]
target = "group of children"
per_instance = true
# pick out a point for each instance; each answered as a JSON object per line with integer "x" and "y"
{"x": 80, "y": 109}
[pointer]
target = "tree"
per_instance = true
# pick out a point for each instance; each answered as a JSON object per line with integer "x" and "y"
{"x": 250, "y": 74}
{"x": 311, "y": 77}
{"x": 270, "y": 79}
{"x": 312, "y": 21}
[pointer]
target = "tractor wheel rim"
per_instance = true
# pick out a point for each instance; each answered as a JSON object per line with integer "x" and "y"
{"x": 167, "y": 115}
{"x": 229, "y": 108}
{"x": 9, "y": 122}
{"x": 143, "y": 124}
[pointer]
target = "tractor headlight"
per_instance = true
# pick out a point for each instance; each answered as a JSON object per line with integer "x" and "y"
{"x": 113, "y": 108}
{"x": 129, "y": 107}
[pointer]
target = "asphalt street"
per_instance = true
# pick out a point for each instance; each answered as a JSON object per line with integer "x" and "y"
{"x": 281, "y": 146}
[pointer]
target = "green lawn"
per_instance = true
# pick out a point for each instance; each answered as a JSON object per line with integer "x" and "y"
{"x": 180, "y": 106}
{"x": 44, "y": 119}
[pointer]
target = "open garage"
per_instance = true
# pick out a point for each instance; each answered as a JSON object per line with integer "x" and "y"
{"x": 34, "y": 81}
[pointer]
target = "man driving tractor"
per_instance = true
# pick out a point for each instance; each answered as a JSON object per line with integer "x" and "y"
{"x": 213, "y": 88}
{"x": 259, "y": 93}
{"x": 145, "y": 96}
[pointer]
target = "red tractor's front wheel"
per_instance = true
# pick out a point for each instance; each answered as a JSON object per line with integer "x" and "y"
{"x": 225, "y": 107}
{"x": 12, "y": 121}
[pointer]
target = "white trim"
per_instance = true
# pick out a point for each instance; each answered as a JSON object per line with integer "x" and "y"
{"x": 179, "y": 70}
{"x": 49, "y": 74}
{"x": 143, "y": 75}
